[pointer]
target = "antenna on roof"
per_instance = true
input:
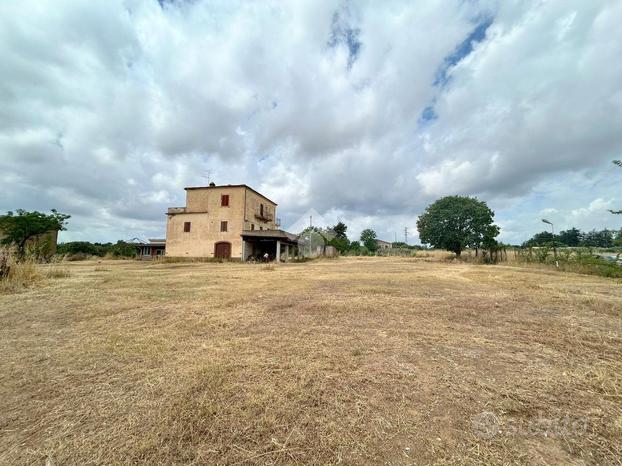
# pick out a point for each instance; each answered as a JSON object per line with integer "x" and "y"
{"x": 208, "y": 175}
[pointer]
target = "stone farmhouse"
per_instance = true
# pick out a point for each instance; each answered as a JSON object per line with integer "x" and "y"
{"x": 228, "y": 222}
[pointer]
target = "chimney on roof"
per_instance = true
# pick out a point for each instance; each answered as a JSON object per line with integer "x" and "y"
{"x": 212, "y": 185}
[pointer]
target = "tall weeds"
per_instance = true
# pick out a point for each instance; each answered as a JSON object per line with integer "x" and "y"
{"x": 17, "y": 274}
{"x": 14, "y": 274}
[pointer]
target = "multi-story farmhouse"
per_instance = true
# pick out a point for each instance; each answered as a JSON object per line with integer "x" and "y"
{"x": 229, "y": 221}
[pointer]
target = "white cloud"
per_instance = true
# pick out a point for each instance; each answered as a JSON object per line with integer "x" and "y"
{"x": 107, "y": 110}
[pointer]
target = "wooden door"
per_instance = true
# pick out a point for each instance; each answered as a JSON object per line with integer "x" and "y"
{"x": 222, "y": 250}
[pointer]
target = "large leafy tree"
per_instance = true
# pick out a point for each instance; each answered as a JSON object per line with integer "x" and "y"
{"x": 340, "y": 230}
{"x": 368, "y": 238}
{"x": 18, "y": 228}
{"x": 457, "y": 222}
{"x": 340, "y": 240}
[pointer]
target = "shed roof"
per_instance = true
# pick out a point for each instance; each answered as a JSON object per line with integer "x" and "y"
{"x": 270, "y": 234}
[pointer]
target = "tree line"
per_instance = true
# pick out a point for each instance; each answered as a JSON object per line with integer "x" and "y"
{"x": 118, "y": 249}
{"x": 574, "y": 237}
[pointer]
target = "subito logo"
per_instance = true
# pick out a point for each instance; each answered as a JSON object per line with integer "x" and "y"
{"x": 485, "y": 425}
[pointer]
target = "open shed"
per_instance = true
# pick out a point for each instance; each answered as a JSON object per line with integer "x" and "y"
{"x": 278, "y": 244}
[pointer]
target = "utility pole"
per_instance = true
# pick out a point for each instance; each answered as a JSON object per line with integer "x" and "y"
{"x": 406, "y": 235}
{"x": 554, "y": 245}
{"x": 310, "y": 232}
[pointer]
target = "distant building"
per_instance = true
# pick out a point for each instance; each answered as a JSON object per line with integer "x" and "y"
{"x": 384, "y": 244}
{"x": 154, "y": 248}
{"x": 43, "y": 245}
{"x": 228, "y": 221}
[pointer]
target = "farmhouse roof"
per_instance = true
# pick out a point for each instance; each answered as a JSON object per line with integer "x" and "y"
{"x": 231, "y": 186}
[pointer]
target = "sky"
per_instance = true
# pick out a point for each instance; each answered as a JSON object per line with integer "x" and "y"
{"x": 362, "y": 112}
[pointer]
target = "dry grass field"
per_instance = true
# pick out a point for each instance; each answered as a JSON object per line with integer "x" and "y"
{"x": 352, "y": 361}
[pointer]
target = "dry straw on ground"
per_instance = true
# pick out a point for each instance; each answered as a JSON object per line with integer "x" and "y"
{"x": 356, "y": 360}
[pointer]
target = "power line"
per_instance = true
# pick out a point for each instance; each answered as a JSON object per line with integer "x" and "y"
{"x": 406, "y": 235}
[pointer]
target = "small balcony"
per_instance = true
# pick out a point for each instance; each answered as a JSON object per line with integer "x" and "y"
{"x": 177, "y": 210}
{"x": 264, "y": 214}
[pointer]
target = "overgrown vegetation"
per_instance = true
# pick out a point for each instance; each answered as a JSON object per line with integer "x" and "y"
{"x": 579, "y": 260}
{"x": 80, "y": 250}
{"x": 19, "y": 272}
{"x": 16, "y": 274}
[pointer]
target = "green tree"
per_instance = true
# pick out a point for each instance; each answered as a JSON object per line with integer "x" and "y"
{"x": 544, "y": 238}
{"x": 341, "y": 244}
{"x": 123, "y": 249}
{"x": 598, "y": 239}
{"x": 570, "y": 237}
{"x": 340, "y": 230}
{"x": 457, "y": 222}
{"x": 368, "y": 238}
{"x": 340, "y": 240}
{"x": 84, "y": 247}
{"x": 18, "y": 229}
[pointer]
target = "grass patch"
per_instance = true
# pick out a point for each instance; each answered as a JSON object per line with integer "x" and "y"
{"x": 356, "y": 361}
{"x": 56, "y": 271}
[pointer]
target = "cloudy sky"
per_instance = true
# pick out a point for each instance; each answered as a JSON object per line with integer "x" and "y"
{"x": 361, "y": 111}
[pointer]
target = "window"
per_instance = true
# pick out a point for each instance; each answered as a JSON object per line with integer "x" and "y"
{"x": 224, "y": 200}
{"x": 223, "y": 226}
{"x": 261, "y": 209}
{"x": 252, "y": 226}
{"x": 186, "y": 227}
{"x": 261, "y": 228}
